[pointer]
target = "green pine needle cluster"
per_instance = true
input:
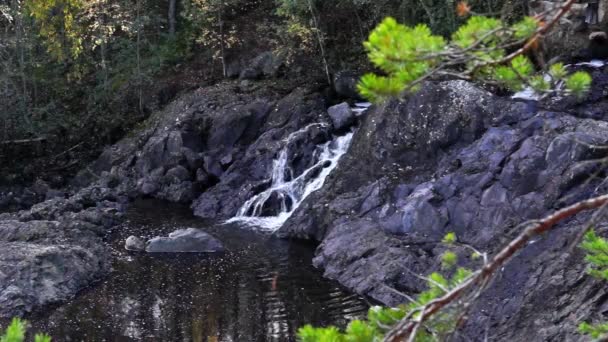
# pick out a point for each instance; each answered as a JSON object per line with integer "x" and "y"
{"x": 597, "y": 258}
{"x": 597, "y": 254}
{"x": 15, "y": 332}
{"x": 395, "y": 49}
{"x": 381, "y": 319}
{"x": 595, "y": 331}
{"x": 478, "y": 50}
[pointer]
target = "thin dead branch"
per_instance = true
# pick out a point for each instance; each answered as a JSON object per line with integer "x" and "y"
{"x": 406, "y": 329}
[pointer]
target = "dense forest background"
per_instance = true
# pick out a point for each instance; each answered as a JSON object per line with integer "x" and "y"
{"x": 76, "y": 75}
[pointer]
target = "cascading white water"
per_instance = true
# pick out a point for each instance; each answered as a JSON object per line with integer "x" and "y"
{"x": 293, "y": 189}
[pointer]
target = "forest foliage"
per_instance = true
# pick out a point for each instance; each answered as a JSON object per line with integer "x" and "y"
{"x": 70, "y": 68}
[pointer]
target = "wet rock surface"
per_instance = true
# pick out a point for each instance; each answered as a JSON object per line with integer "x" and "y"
{"x": 189, "y": 240}
{"x": 55, "y": 249}
{"x": 342, "y": 116}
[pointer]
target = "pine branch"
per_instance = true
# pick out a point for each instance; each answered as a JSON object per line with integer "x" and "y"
{"x": 405, "y": 330}
{"x": 565, "y": 8}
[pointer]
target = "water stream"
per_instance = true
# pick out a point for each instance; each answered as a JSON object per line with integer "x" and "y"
{"x": 262, "y": 289}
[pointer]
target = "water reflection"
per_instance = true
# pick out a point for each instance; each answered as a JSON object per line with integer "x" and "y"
{"x": 261, "y": 289}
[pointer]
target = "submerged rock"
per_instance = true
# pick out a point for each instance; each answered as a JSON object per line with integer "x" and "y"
{"x": 133, "y": 243}
{"x": 189, "y": 240}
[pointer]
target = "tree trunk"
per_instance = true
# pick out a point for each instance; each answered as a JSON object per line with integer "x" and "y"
{"x": 222, "y": 42}
{"x": 171, "y": 18}
{"x": 320, "y": 39}
{"x": 139, "y": 78}
{"x": 603, "y": 14}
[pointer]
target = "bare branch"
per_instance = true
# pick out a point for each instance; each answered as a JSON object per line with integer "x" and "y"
{"x": 565, "y": 8}
{"x": 406, "y": 328}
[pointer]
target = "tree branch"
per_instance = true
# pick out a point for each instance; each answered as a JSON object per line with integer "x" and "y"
{"x": 533, "y": 40}
{"x": 406, "y": 328}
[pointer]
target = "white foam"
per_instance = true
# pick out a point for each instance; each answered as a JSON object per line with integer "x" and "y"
{"x": 291, "y": 191}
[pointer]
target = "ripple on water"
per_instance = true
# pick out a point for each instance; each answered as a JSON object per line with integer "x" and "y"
{"x": 261, "y": 289}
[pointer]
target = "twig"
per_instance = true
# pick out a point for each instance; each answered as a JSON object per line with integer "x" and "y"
{"x": 68, "y": 150}
{"x": 533, "y": 40}
{"x": 22, "y": 141}
{"x": 404, "y": 295}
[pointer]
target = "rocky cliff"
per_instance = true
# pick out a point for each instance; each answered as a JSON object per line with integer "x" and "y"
{"x": 453, "y": 157}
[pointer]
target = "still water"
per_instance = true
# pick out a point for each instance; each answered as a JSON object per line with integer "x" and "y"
{"x": 261, "y": 289}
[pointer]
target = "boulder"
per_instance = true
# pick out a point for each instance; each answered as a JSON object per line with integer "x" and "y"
{"x": 177, "y": 174}
{"x": 53, "y": 250}
{"x": 33, "y": 274}
{"x": 266, "y": 64}
{"x": 342, "y": 116}
{"x": 133, "y": 243}
{"x": 189, "y": 240}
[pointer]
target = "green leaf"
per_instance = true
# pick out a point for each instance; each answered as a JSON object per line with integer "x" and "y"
{"x": 448, "y": 260}
{"x": 522, "y": 66}
{"x": 595, "y": 331}
{"x": 597, "y": 254}
{"x": 359, "y": 331}
{"x": 42, "y": 338}
{"x": 558, "y": 71}
{"x": 311, "y": 334}
{"x": 15, "y": 331}
{"x": 508, "y": 78}
{"x": 477, "y": 29}
{"x": 539, "y": 84}
{"x": 524, "y": 28}
{"x": 578, "y": 83}
{"x": 449, "y": 238}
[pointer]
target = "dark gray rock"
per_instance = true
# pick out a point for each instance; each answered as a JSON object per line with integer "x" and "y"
{"x": 177, "y": 174}
{"x": 345, "y": 85}
{"x": 148, "y": 187}
{"x": 133, "y": 243}
{"x": 55, "y": 249}
{"x": 243, "y": 166}
{"x": 454, "y": 158}
{"x": 342, "y": 116}
{"x": 189, "y": 240}
{"x": 48, "y": 261}
{"x": 33, "y": 275}
{"x": 266, "y": 64}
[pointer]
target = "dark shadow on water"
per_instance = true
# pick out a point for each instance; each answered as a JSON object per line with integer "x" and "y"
{"x": 261, "y": 289}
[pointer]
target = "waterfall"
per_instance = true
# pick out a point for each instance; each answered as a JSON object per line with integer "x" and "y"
{"x": 289, "y": 189}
